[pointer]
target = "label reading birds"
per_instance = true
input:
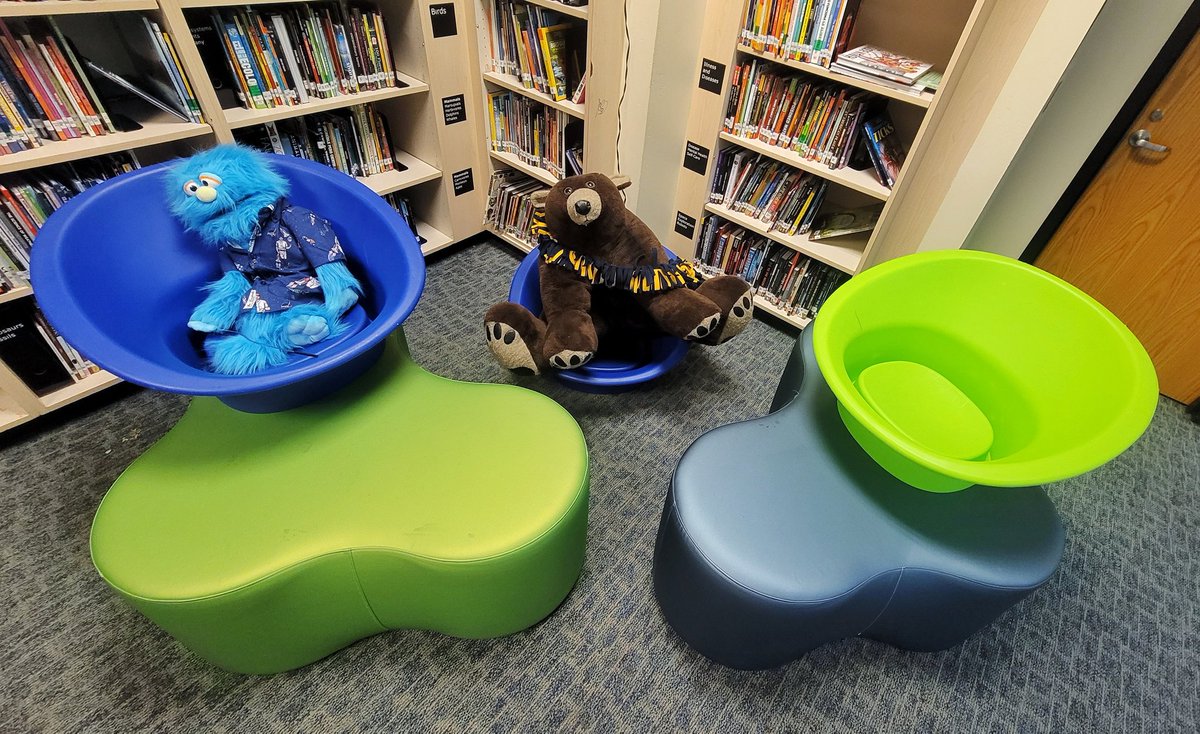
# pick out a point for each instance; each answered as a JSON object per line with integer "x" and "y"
{"x": 441, "y": 17}
{"x": 463, "y": 181}
{"x": 711, "y": 75}
{"x": 695, "y": 158}
{"x": 685, "y": 225}
{"x": 454, "y": 109}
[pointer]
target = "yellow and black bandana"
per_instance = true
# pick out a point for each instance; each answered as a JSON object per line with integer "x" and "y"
{"x": 651, "y": 278}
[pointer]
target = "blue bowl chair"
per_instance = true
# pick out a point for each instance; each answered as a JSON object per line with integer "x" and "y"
{"x": 340, "y": 495}
{"x": 610, "y": 371}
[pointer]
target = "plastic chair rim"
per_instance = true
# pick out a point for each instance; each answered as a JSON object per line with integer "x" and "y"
{"x": 1129, "y": 424}
{"x": 620, "y": 380}
{"x": 47, "y": 273}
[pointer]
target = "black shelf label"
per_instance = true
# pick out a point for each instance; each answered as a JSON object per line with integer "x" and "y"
{"x": 441, "y": 17}
{"x": 711, "y": 75}
{"x": 685, "y": 225}
{"x": 454, "y": 109}
{"x": 464, "y": 181}
{"x": 695, "y": 158}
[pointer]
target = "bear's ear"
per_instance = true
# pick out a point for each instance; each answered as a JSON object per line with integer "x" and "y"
{"x": 539, "y": 199}
{"x": 621, "y": 182}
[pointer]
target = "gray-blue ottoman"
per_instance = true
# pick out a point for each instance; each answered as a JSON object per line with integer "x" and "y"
{"x": 781, "y": 534}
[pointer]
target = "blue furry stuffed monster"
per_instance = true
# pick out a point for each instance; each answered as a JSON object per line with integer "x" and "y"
{"x": 285, "y": 284}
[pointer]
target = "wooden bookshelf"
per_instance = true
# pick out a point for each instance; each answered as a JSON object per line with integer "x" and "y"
{"x": 861, "y": 181}
{"x": 417, "y": 172}
{"x": 435, "y": 241}
{"x": 580, "y": 11}
{"x": 159, "y": 128}
{"x": 89, "y": 385}
{"x": 237, "y": 117}
{"x": 521, "y": 245}
{"x": 604, "y": 66}
{"x": 975, "y": 44}
{"x": 11, "y": 9}
{"x": 923, "y": 99}
{"x": 16, "y": 293}
{"x": 843, "y": 253}
{"x": 434, "y": 153}
{"x": 512, "y": 161}
{"x": 512, "y": 83}
{"x": 764, "y": 306}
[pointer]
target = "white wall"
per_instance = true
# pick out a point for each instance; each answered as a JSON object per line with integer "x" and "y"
{"x": 1120, "y": 45}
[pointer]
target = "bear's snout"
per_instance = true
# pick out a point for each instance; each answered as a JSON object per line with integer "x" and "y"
{"x": 584, "y": 206}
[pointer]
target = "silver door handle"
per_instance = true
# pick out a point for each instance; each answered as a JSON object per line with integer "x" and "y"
{"x": 1141, "y": 139}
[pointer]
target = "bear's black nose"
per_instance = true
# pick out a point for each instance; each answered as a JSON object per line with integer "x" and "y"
{"x": 583, "y": 206}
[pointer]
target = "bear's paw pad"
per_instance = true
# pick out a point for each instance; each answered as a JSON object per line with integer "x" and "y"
{"x": 738, "y": 318}
{"x": 704, "y": 328}
{"x": 508, "y": 347}
{"x": 569, "y": 359}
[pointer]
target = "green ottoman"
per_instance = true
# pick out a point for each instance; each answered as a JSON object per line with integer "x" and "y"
{"x": 264, "y": 542}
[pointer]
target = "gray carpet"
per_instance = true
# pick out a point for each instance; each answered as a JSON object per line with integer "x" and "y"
{"x": 1110, "y": 644}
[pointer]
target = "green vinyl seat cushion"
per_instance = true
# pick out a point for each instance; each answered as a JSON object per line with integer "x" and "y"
{"x": 266, "y": 541}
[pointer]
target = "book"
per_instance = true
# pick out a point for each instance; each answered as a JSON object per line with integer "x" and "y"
{"x": 880, "y": 62}
{"x": 101, "y": 74}
{"x": 884, "y": 146}
{"x": 846, "y": 221}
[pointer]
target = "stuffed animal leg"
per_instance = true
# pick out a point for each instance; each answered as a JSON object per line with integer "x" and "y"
{"x": 566, "y": 339}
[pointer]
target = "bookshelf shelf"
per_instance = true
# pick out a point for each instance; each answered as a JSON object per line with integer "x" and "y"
{"x": 512, "y": 83}
{"x": 87, "y": 386}
{"x": 9, "y": 9}
{"x": 16, "y": 293}
{"x": 435, "y": 240}
{"x": 509, "y": 239}
{"x": 418, "y": 172}
{"x": 159, "y": 129}
{"x": 861, "y": 181}
{"x": 237, "y": 117}
{"x": 762, "y": 304}
{"x": 512, "y": 161}
{"x": 924, "y": 99}
{"x": 573, "y": 11}
{"x": 232, "y": 3}
{"x": 843, "y": 253}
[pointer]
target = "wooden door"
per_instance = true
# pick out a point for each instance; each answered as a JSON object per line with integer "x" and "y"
{"x": 1132, "y": 240}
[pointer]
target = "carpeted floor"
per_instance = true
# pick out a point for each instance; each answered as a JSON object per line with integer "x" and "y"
{"x": 1110, "y": 644}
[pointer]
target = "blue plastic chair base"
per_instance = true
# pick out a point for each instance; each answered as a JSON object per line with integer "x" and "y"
{"x": 611, "y": 370}
{"x": 118, "y": 276}
{"x": 781, "y": 534}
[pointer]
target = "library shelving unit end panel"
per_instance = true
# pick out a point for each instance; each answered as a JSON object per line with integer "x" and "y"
{"x": 714, "y": 65}
{"x": 449, "y": 124}
{"x": 605, "y": 78}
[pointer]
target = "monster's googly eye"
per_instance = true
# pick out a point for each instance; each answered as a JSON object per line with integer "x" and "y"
{"x": 210, "y": 179}
{"x": 591, "y": 184}
{"x": 190, "y": 188}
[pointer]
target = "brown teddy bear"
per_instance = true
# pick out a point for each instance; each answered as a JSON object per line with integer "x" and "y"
{"x": 603, "y": 271}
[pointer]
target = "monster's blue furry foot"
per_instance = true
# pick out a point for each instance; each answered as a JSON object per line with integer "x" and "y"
{"x": 237, "y": 355}
{"x": 307, "y": 329}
